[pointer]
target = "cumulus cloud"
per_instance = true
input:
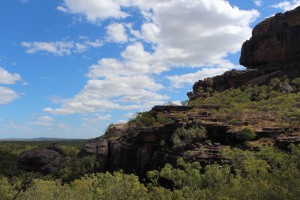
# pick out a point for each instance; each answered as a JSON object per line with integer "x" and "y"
{"x": 43, "y": 121}
{"x": 116, "y": 33}
{"x": 179, "y": 80}
{"x": 7, "y": 95}
{"x": 202, "y": 32}
{"x": 135, "y": 61}
{"x": 287, "y": 5}
{"x": 198, "y": 34}
{"x": 94, "y": 10}
{"x": 60, "y": 48}
{"x": 113, "y": 92}
{"x": 97, "y": 118}
{"x": 8, "y": 78}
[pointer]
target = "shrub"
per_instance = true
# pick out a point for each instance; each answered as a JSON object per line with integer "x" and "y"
{"x": 247, "y": 134}
{"x": 143, "y": 119}
{"x": 182, "y": 136}
{"x": 181, "y": 116}
{"x": 162, "y": 119}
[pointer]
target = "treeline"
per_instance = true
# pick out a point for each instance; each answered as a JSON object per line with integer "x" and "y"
{"x": 265, "y": 174}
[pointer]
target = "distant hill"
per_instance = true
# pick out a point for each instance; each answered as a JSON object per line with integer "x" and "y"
{"x": 39, "y": 139}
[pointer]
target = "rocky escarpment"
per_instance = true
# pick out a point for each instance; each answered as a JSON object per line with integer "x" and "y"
{"x": 274, "y": 42}
{"x": 140, "y": 149}
{"x": 233, "y": 79}
{"x": 41, "y": 160}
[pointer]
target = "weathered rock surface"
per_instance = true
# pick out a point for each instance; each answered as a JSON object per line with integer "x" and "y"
{"x": 285, "y": 140}
{"x": 97, "y": 147}
{"x": 56, "y": 148}
{"x": 151, "y": 147}
{"x": 40, "y": 160}
{"x": 145, "y": 151}
{"x": 232, "y": 79}
{"x": 274, "y": 42}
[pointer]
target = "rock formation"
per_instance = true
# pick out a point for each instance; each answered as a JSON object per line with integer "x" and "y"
{"x": 41, "y": 160}
{"x": 274, "y": 42}
{"x": 144, "y": 150}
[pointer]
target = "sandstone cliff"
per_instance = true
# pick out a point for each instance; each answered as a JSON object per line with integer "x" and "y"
{"x": 274, "y": 42}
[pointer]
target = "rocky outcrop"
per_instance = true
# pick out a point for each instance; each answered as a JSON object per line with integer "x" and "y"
{"x": 41, "y": 160}
{"x": 151, "y": 147}
{"x": 274, "y": 42}
{"x": 284, "y": 141}
{"x": 97, "y": 147}
{"x": 232, "y": 79}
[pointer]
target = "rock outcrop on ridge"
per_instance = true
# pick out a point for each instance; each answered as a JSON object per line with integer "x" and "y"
{"x": 274, "y": 42}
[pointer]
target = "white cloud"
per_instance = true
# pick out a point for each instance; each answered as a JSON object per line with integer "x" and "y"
{"x": 45, "y": 119}
{"x": 136, "y": 61}
{"x": 150, "y": 32}
{"x": 179, "y": 80}
{"x": 7, "y": 95}
{"x": 203, "y": 32}
{"x": 113, "y": 92}
{"x": 97, "y": 118}
{"x": 8, "y": 78}
{"x": 182, "y": 34}
{"x": 94, "y": 10}
{"x": 60, "y": 48}
{"x": 258, "y": 2}
{"x": 287, "y": 5}
{"x": 116, "y": 33}
{"x": 95, "y": 44}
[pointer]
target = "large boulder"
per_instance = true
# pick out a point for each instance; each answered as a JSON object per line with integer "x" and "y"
{"x": 274, "y": 42}
{"x": 39, "y": 160}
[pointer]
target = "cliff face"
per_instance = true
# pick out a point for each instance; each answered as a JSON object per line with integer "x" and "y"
{"x": 140, "y": 149}
{"x": 275, "y": 41}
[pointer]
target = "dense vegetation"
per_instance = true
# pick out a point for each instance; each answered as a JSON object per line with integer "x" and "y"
{"x": 275, "y": 104}
{"x": 266, "y": 174}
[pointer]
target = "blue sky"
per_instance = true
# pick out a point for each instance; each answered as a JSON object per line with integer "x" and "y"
{"x": 69, "y": 68}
